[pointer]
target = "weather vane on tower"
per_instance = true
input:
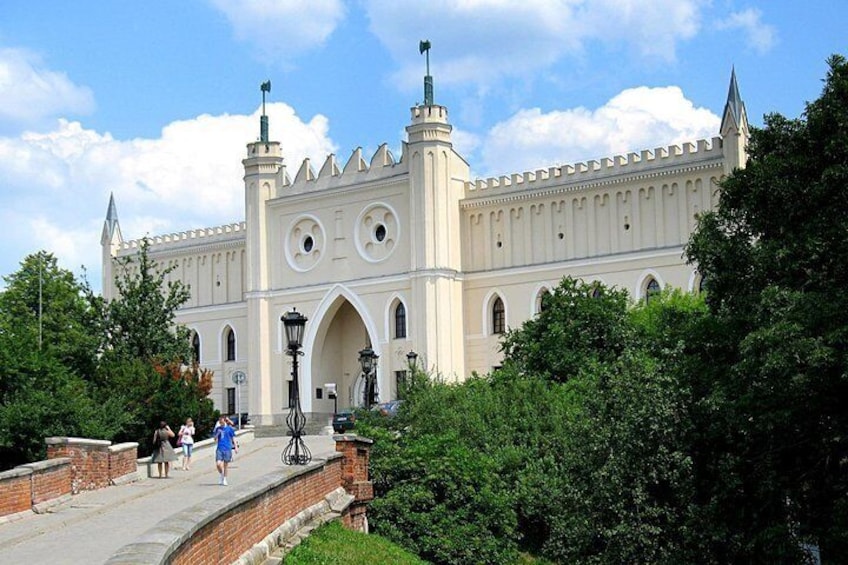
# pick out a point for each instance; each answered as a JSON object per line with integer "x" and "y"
{"x": 263, "y": 120}
{"x": 424, "y": 47}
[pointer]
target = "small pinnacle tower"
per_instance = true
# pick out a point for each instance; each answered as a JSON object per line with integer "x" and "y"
{"x": 110, "y": 240}
{"x": 734, "y": 127}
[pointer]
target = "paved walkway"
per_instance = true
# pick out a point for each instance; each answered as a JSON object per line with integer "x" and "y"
{"x": 94, "y": 525}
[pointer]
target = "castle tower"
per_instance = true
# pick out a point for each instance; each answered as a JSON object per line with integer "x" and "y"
{"x": 734, "y": 128}
{"x": 263, "y": 173}
{"x": 436, "y": 175}
{"x": 110, "y": 240}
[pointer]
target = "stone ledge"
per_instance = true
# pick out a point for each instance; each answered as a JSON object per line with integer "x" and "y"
{"x": 48, "y": 505}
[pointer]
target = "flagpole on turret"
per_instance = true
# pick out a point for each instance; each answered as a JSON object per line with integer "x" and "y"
{"x": 263, "y": 120}
{"x": 424, "y": 49}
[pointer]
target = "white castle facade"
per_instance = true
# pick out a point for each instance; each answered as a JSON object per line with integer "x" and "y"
{"x": 412, "y": 254}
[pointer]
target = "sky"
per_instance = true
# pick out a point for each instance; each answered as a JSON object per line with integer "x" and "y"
{"x": 155, "y": 101}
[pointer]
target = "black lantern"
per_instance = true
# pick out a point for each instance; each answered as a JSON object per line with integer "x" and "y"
{"x": 295, "y": 323}
{"x": 411, "y": 360}
{"x": 296, "y": 452}
{"x": 368, "y": 361}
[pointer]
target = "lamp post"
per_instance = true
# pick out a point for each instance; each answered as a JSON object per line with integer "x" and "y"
{"x": 296, "y": 452}
{"x": 403, "y": 385}
{"x": 368, "y": 360}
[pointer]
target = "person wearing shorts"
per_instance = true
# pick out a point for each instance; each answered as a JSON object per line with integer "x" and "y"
{"x": 186, "y": 441}
{"x": 225, "y": 436}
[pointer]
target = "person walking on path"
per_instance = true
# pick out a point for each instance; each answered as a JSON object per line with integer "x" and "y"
{"x": 162, "y": 450}
{"x": 225, "y": 436}
{"x": 186, "y": 441}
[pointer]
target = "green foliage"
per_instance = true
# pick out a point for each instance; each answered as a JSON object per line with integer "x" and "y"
{"x": 73, "y": 365}
{"x": 773, "y": 258}
{"x": 579, "y": 323}
{"x": 334, "y": 544}
{"x": 48, "y": 345}
{"x": 140, "y": 323}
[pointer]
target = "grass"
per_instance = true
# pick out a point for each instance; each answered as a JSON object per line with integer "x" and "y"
{"x": 333, "y": 544}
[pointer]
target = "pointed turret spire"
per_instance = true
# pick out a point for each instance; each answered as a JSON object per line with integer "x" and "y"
{"x": 111, "y": 226}
{"x": 734, "y": 108}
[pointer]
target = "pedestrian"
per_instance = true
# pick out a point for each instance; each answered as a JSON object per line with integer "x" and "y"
{"x": 163, "y": 453}
{"x": 186, "y": 441}
{"x": 225, "y": 436}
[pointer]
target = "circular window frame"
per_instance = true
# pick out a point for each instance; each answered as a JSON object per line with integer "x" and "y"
{"x": 361, "y": 238}
{"x": 293, "y": 244}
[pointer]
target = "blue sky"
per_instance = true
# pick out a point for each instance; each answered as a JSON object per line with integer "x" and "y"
{"x": 155, "y": 101}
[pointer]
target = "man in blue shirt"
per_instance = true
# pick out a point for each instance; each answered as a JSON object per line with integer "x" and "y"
{"x": 225, "y": 436}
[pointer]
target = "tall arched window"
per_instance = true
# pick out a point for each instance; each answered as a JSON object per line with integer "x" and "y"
{"x": 651, "y": 289}
{"x": 195, "y": 347}
{"x": 400, "y": 321}
{"x": 231, "y": 345}
{"x": 498, "y": 316}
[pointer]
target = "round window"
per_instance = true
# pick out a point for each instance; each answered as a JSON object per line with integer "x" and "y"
{"x": 380, "y": 232}
{"x": 308, "y": 243}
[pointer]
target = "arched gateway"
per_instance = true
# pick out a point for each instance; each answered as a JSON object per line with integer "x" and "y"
{"x": 341, "y": 327}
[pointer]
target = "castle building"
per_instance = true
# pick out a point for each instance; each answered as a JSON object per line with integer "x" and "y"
{"x": 412, "y": 254}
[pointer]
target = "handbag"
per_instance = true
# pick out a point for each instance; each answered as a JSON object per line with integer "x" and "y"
{"x": 180, "y": 437}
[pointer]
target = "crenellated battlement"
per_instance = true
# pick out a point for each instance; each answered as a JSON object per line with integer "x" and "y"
{"x": 209, "y": 235}
{"x": 647, "y": 160}
{"x": 355, "y": 170}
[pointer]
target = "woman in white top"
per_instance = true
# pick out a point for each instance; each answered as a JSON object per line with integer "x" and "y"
{"x": 186, "y": 436}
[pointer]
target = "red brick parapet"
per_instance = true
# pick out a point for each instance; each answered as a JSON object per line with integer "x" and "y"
{"x": 72, "y": 465}
{"x": 89, "y": 460}
{"x": 356, "y": 451}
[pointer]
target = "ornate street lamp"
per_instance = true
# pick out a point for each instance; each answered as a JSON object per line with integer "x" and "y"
{"x": 296, "y": 452}
{"x": 411, "y": 360}
{"x": 368, "y": 360}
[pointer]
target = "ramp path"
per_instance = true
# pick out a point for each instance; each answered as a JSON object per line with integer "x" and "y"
{"x": 93, "y": 525}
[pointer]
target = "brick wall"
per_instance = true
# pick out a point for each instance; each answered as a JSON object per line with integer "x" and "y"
{"x": 226, "y": 537}
{"x": 50, "y": 479}
{"x": 72, "y": 465}
{"x": 89, "y": 460}
{"x": 15, "y": 491}
{"x": 356, "y": 451}
{"x": 123, "y": 460}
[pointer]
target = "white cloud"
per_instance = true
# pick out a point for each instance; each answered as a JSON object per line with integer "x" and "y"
{"x": 637, "y": 118}
{"x": 56, "y": 185}
{"x": 31, "y": 93}
{"x": 484, "y": 40}
{"x": 761, "y": 36}
{"x": 282, "y": 29}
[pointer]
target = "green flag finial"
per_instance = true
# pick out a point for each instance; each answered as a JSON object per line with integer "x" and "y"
{"x": 263, "y": 119}
{"x": 424, "y": 49}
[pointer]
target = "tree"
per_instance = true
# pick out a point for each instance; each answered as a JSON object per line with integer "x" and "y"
{"x": 145, "y": 353}
{"x": 48, "y": 349}
{"x": 140, "y": 322}
{"x": 773, "y": 258}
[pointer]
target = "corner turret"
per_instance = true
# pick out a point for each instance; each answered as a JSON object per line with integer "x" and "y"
{"x": 734, "y": 128}
{"x": 110, "y": 240}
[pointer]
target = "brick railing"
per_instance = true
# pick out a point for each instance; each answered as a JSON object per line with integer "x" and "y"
{"x": 248, "y": 523}
{"x": 73, "y": 465}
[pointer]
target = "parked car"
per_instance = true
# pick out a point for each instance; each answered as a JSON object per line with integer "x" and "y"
{"x": 344, "y": 421}
{"x": 387, "y": 408}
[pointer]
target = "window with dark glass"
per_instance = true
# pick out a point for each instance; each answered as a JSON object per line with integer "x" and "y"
{"x": 231, "y": 345}
{"x": 400, "y": 321}
{"x": 651, "y": 289}
{"x": 400, "y": 383}
{"x": 231, "y": 400}
{"x": 195, "y": 347}
{"x": 498, "y": 316}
